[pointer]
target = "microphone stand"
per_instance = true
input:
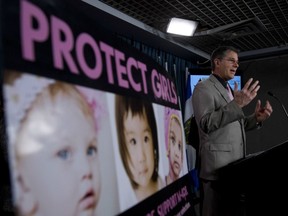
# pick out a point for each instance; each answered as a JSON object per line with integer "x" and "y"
{"x": 272, "y": 95}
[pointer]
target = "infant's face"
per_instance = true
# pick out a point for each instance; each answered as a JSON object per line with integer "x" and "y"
{"x": 175, "y": 147}
{"x": 58, "y": 158}
{"x": 140, "y": 148}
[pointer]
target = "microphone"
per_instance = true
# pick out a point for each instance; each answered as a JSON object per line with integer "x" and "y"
{"x": 274, "y": 96}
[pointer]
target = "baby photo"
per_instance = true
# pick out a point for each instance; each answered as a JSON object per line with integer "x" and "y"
{"x": 57, "y": 142}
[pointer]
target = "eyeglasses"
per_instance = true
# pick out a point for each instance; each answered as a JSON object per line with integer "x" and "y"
{"x": 233, "y": 61}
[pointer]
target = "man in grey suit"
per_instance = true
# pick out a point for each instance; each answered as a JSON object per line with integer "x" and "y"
{"x": 222, "y": 124}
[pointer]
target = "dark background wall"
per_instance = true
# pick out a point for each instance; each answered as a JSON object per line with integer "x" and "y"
{"x": 273, "y": 76}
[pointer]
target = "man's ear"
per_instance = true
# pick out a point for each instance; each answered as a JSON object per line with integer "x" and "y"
{"x": 26, "y": 203}
{"x": 217, "y": 61}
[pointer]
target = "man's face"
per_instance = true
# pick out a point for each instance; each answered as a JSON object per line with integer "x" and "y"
{"x": 226, "y": 67}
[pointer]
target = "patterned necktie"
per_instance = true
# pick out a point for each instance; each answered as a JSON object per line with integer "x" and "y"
{"x": 229, "y": 92}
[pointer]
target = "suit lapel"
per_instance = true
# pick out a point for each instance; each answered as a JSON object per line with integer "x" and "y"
{"x": 220, "y": 88}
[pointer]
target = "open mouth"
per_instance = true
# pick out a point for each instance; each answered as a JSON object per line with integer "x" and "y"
{"x": 88, "y": 200}
{"x": 176, "y": 164}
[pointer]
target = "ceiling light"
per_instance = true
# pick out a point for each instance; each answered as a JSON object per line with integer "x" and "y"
{"x": 182, "y": 26}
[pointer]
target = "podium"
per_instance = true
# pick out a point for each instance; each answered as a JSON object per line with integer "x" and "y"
{"x": 259, "y": 181}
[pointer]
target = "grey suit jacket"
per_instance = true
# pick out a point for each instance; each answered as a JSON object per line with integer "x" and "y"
{"x": 221, "y": 125}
